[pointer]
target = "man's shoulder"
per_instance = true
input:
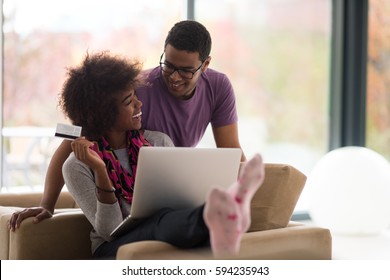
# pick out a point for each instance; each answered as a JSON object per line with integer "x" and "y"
{"x": 215, "y": 81}
{"x": 213, "y": 72}
{"x": 213, "y": 75}
{"x": 150, "y": 82}
{"x": 151, "y": 74}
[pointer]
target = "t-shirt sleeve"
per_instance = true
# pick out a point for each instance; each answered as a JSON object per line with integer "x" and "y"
{"x": 225, "y": 112}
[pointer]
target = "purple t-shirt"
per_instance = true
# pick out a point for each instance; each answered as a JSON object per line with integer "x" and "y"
{"x": 185, "y": 121}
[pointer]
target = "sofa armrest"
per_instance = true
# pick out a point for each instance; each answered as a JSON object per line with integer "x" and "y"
{"x": 298, "y": 242}
{"x": 64, "y": 236}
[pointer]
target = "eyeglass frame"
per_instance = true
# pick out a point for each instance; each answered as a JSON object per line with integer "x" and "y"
{"x": 175, "y": 69}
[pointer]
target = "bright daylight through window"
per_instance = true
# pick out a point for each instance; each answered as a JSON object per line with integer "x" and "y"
{"x": 276, "y": 54}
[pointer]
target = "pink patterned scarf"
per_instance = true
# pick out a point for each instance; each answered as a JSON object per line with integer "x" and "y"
{"x": 120, "y": 177}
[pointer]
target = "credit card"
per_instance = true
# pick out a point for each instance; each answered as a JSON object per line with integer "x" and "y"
{"x": 68, "y": 131}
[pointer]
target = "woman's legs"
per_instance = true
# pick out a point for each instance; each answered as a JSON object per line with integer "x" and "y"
{"x": 227, "y": 213}
{"x": 182, "y": 228}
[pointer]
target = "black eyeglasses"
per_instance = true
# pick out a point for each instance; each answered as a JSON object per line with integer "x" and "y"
{"x": 184, "y": 73}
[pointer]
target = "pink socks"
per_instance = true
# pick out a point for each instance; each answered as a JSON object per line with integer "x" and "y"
{"x": 227, "y": 212}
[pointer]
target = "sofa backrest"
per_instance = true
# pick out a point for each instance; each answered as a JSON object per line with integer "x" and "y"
{"x": 33, "y": 199}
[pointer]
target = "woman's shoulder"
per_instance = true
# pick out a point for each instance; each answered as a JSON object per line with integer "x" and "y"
{"x": 158, "y": 139}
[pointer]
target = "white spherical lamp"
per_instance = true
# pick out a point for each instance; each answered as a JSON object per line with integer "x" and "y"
{"x": 349, "y": 191}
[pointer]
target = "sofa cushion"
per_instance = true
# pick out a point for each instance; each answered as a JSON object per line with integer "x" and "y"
{"x": 275, "y": 201}
{"x": 295, "y": 242}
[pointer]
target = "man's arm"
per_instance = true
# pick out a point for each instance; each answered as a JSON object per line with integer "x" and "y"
{"x": 227, "y": 137}
{"x": 54, "y": 182}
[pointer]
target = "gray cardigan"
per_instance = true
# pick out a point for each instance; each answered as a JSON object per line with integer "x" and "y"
{"x": 81, "y": 184}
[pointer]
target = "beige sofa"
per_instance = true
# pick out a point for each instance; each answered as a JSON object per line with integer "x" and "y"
{"x": 272, "y": 235}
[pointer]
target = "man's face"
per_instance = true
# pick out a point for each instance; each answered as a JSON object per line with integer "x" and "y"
{"x": 176, "y": 71}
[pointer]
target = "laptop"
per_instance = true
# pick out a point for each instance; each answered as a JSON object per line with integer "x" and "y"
{"x": 178, "y": 178}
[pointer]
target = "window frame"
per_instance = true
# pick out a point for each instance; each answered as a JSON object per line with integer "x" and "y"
{"x": 348, "y": 73}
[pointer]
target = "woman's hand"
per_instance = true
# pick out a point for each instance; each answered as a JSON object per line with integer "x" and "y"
{"x": 82, "y": 151}
{"x": 39, "y": 214}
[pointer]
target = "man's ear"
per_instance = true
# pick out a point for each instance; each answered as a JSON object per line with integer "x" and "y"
{"x": 206, "y": 64}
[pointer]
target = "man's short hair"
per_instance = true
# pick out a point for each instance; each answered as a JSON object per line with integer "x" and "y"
{"x": 192, "y": 36}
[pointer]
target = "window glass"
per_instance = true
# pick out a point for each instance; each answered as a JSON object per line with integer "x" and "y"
{"x": 277, "y": 55}
{"x": 378, "y": 78}
{"x": 41, "y": 39}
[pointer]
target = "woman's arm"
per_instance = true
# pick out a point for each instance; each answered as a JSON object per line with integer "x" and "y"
{"x": 86, "y": 177}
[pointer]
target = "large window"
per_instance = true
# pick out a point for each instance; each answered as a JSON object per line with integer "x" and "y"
{"x": 276, "y": 53}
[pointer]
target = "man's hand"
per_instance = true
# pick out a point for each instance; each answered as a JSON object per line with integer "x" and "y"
{"x": 39, "y": 214}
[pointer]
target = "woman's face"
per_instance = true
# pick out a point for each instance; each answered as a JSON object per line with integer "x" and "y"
{"x": 129, "y": 111}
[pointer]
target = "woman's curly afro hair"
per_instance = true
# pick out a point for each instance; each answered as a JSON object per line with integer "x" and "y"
{"x": 88, "y": 96}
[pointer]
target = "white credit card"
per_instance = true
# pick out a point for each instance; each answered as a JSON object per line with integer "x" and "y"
{"x": 68, "y": 131}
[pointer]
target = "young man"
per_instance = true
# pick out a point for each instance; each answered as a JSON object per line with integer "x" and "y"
{"x": 181, "y": 98}
{"x": 184, "y": 95}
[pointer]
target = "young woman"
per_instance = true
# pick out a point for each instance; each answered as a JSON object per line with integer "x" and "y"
{"x": 100, "y": 95}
